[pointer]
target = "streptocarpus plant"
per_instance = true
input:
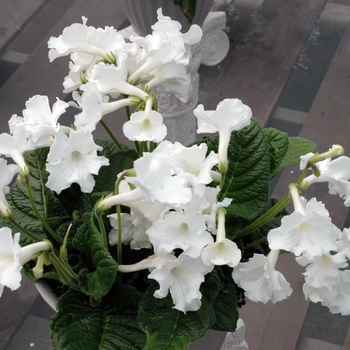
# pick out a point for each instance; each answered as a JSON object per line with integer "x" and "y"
{"x": 156, "y": 244}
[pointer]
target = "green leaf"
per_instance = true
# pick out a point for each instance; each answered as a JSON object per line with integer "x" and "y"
{"x": 169, "y": 329}
{"x": 225, "y": 305}
{"x": 45, "y": 200}
{"x": 188, "y": 8}
{"x": 248, "y": 174}
{"x": 278, "y": 143}
{"x": 110, "y": 325}
{"x": 102, "y": 268}
{"x": 220, "y": 288}
{"x": 298, "y": 146}
{"x": 119, "y": 160}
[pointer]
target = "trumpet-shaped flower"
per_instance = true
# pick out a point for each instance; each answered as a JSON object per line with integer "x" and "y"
{"x": 337, "y": 173}
{"x": 260, "y": 280}
{"x": 7, "y": 171}
{"x": 308, "y": 230}
{"x": 94, "y": 106}
{"x": 134, "y": 228}
{"x": 323, "y": 271}
{"x": 73, "y": 159}
{"x": 154, "y": 182}
{"x": 13, "y": 256}
{"x": 341, "y": 303}
{"x": 81, "y": 38}
{"x": 344, "y": 243}
{"x": 145, "y": 126}
{"x": 230, "y": 115}
{"x": 79, "y": 67}
{"x": 39, "y": 122}
{"x": 173, "y": 78}
{"x": 112, "y": 80}
{"x": 14, "y": 146}
{"x": 183, "y": 277}
{"x": 186, "y": 231}
{"x": 223, "y": 251}
{"x": 165, "y": 45}
{"x": 193, "y": 160}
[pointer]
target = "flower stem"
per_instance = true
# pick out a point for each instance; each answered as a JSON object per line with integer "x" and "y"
{"x": 266, "y": 217}
{"x": 111, "y": 134}
{"x": 22, "y": 229}
{"x": 102, "y": 227}
{"x": 128, "y": 114}
{"x": 255, "y": 243}
{"x": 65, "y": 272}
{"x": 120, "y": 244}
{"x": 38, "y": 215}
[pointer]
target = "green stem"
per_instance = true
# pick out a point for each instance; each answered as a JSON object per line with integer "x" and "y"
{"x": 38, "y": 215}
{"x": 302, "y": 176}
{"x": 111, "y": 134}
{"x": 266, "y": 217}
{"x": 120, "y": 244}
{"x": 102, "y": 228}
{"x": 65, "y": 272}
{"x": 255, "y": 243}
{"x": 22, "y": 229}
{"x": 128, "y": 114}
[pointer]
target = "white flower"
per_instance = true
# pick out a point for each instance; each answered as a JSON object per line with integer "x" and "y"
{"x": 112, "y": 80}
{"x": 73, "y": 159}
{"x": 145, "y": 126}
{"x": 154, "y": 182}
{"x": 308, "y": 230}
{"x": 337, "y": 173}
{"x": 182, "y": 277}
{"x": 173, "y": 78}
{"x": 304, "y": 160}
{"x": 10, "y": 266}
{"x": 230, "y": 115}
{"x": 39, "y": 122}
{"x": 344, "y": 243}
{"x": 323, "y": 271}
{"x": 94, "y": 106}
{"x": 14, "y": 146}
{"x": 223, "y": 251}
{"x": 186, "y": 231}
{"x": 260, "y": 280}
{"x": 193, "y": 160}
{"x": 165, "y": 45}
{"x": 341, "y": 303}
{"x": 81, "y": 38}
{"x": 13, "y": 256}
{"x": 7, "y": 171}
{"x": 134, "y": 228}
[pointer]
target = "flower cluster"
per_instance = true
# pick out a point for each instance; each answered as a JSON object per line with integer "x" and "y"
{"x": 311, "y": 236}
{"x": 190, "y": 224}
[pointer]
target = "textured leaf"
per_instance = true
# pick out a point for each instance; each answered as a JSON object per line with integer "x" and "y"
{"x": 45, "y": 200}
{"x": 248, "y": 175}
{"x": 119, "y": 160}
{"x": 111, "y": 325}
{"x": 220, "y": 289}
{"x": 102, "y": 271}
{"x": 298, "y": 146}
{"x": 278, "y": 146}
{"x": 169, "y": 329}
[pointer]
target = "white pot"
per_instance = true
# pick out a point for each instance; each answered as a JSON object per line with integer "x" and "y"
{"x": 142, "y": 14}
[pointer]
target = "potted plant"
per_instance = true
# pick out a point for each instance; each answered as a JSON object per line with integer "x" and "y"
{"x": 152, "y": 246}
